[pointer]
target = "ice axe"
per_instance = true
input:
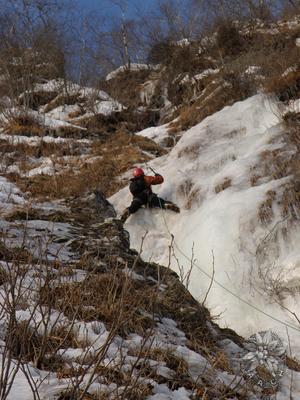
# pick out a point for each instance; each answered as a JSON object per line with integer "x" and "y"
{"x": 151, "y": 169}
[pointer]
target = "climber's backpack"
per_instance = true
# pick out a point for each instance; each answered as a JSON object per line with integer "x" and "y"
{"x": 137, "y": 186}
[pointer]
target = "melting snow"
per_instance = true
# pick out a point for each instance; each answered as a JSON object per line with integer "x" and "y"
{"x": 133, "y": 67}
{"x": 57, "y": 85}
{"x": 206, "y": 73}
{"x": 37, "y": 140}
{"x": 45, "y": 239}
{"x": 10, "y": 196}
{"x": 158, "y": 133}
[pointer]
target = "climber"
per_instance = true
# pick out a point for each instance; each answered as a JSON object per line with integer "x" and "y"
{"x": 140, "y": 188}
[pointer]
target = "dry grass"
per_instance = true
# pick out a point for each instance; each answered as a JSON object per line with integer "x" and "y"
{"x": 293, "y": 364}
{"x": 276, "y": 165}
{"x": 272, "y": 54}
{"x": 254, "y": 179}
{"x": 281, "y": 55}
{"x": 292, "y": 124}
{"x": 69, "y": 395}
{"x": 129, "y": 120}
{"x": 126, "y": 87}
{"x": 24, "y": 125}
{"x": 286, "y": 87}
{"x": 180, "y": 368}
{"x": 216, "y": 95}
{"x": 109, "y": 297}
{"x": 119, "y": 153}
{"x": 185, "y": 187}
{"x": 42, "y": 149}
{"x": 71, "y": 132}
{"x": 61, "y": 100}
{"x": 12, "y": 254}
{"x": 193, "y": 199}
{"x": 265, "y": 211}
{"x": 223, "y": 185}
{"x": 28, "y": 214}
{"x": 38, "y": 98}
{"x": 220, "y": 361}
{"x": 25, "y": 343}
{"x": 191, "y": 151}
{"x": 229, "y": 41}
{"x": 191, "y": 196}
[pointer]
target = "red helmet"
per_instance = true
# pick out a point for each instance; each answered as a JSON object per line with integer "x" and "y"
{"x": 137, "y": 172}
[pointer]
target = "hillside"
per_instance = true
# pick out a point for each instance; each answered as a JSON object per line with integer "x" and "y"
{"x": 197, "y": 305}
{"x": 95, "y": 321}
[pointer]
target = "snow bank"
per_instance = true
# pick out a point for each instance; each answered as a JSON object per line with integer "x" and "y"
{"x": 208, "y": 174}
{"x": 62, "y": 112}
{"x": 42, "y": 119}
{"x": 43, "y": 239}
{"x": 107, "y": 107}
{"x": 56, "y": 123}
{"x": 206, "y": 73}
{"x": 10, "y": 196}
{"x": 133, "y": 67}
{"x": 157, "y": 133}
{"x": 58, "y": 85}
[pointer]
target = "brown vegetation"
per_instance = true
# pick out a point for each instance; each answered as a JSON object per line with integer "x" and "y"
{"x": 26, "y": 344}
{"x": 126, "y": 87}
{"x": 229, "y": 41}
{"x": 23, "y": 124}
{"x": 233, "y": 52}
{"x": 265, "y": 211}
{"x": 217, "y": 94}
{"x": 111, "y": 298}
{"x": 223, "y": 185}
{"x": 293, "y": 364}
{"x": 20, "y": 151}
{"x": 61, "y": 100}
{"x": 129, "y": 120}
{"x": 36, "y": 99}
{"x": 276, "y": 165}
{"x": 114, "y": 157}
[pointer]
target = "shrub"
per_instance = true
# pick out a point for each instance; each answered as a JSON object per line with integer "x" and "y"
{"x": 223, "y": 185}
{"x": 113, "y": 157}
{"x": 23, "y": 124}
{"x": 229, "y": 40}
{"x": 126, "y": 86}
{"x": 36, "y": 99}
{"x": 285, "y": 87}
{"x": 160, "y": 52}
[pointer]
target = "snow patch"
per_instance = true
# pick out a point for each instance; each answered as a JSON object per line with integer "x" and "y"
{"x": 133, "y": 67}
{"x": 156, "y": 133}
{"x": 10, "y": 196}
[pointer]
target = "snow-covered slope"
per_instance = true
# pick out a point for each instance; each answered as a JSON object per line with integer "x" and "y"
{"x": 211, "y": 174}
{"x": 10, "y": 196}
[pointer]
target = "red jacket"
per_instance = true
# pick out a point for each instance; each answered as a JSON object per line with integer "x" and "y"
{"x": 153, "y": 180}
{"x": 141, "y": 187}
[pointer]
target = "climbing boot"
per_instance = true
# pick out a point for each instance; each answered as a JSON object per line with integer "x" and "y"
{"x": 125, "y": 215}
{"x": 172, "y": 207}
